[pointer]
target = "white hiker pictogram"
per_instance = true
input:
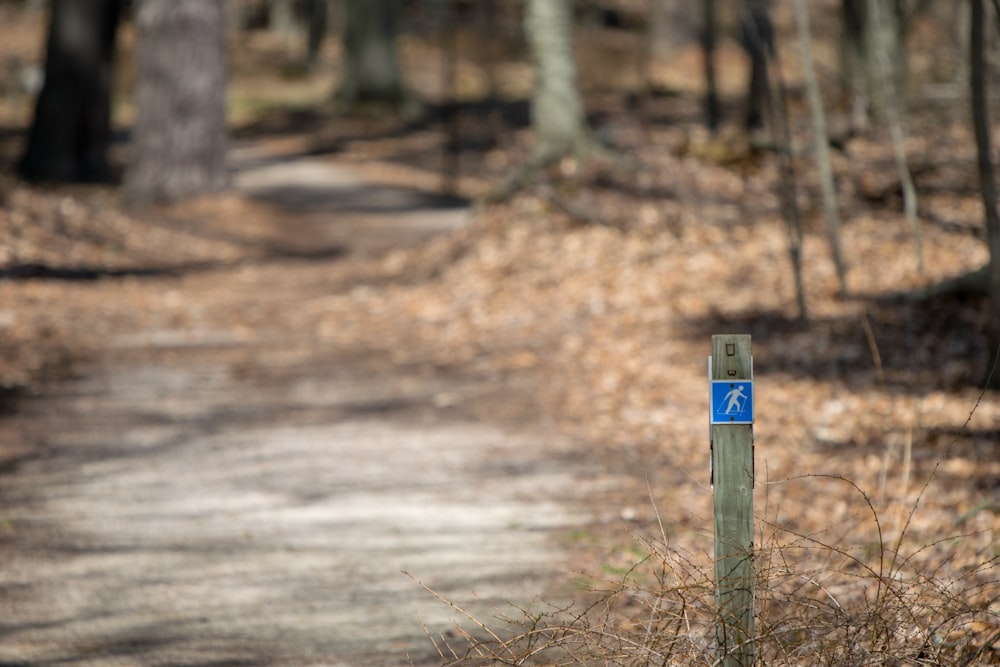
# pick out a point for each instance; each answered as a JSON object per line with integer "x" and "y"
{"x": 735, "y": 400}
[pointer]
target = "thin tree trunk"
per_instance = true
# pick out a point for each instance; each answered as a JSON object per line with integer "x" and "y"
{"x": 708, "y": 53}
{"x": 870, "y": 27}
{"x": 448, "y": 26}
{"x": 987, "y": 178}
{"x": 71, "y": 131}
{"x": 758, "y": 42}
{"x": 179, "y": 141}
{"x": 822, "y": 146}
{"x": 887, "y": 77}
{"x": 318, "y": 19}
{"x": 777, "y": 107}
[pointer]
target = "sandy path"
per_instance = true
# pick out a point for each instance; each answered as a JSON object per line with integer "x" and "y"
{"x": 202, "y": 500}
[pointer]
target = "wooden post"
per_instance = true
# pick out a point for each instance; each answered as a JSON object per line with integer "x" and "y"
{"x": 732, "y": 477}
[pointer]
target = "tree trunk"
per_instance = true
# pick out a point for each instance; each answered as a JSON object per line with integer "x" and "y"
{"x": 179, "y": 140}
{"x": 821, "y": 145}
{"x": 71, "y": 131}
{"x": 281, "y": 17}
{"x": 371, "y": 71}
{"x": 775, "y": 104}
{"x": 886, "y": 73}
{"x": 758, "y": 42}
{"x": 317, "y": 17}
{"x": 987, "y": 179}
{"x": 557, "y": 110}
{"x": 862, "y": 40}
{"x": 708, "y": 52}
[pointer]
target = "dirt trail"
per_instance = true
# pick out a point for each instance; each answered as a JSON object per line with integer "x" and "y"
{"x": 200, "y": 496}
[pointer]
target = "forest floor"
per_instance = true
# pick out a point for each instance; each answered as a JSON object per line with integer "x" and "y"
{"x": 594, "y": 294}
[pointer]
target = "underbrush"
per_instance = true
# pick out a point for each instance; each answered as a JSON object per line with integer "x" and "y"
{"x": 852, "y": 595}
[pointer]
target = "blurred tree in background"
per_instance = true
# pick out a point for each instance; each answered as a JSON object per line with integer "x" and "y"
{"x": 861, "y": 39}
{"x": 371, "y": 73}
{"x": 557, "y": 109}
{"x": 179, "y": 135}
{"x": 179, "y": 138}
{"x": 71, "y": 133}
{"x": 758, "y": 42}
{"x": 317, "y": 19}
{"x": 987, "y": 177}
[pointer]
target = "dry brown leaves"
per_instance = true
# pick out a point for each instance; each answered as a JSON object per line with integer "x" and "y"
{"x": 615, "y": 321}
{"x": 612, "y": 322}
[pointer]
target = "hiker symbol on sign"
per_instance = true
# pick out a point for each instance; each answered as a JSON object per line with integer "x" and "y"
{"x": 732, "y": 402}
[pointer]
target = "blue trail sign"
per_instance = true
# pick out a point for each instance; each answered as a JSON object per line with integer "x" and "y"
{"x": 732, "y": 402}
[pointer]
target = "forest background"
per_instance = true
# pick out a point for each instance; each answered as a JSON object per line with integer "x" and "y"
{"x": 600, "y": 268}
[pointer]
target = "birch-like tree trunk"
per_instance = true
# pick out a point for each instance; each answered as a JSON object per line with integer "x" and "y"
{"x": 871, "y": 27}
{"x": 179, "y": 139}
{"x": 557, "y": 109}
{"x": 885, "y": 53}
{"x": 822, "y": 146}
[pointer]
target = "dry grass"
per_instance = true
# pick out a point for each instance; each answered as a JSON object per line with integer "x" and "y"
{"x": 821, "y": 599}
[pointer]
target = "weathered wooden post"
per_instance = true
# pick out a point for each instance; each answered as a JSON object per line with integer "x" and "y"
{"x": 731, "y": 376}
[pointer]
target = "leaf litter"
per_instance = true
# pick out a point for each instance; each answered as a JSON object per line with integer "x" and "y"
{"x": 605, "y": 320}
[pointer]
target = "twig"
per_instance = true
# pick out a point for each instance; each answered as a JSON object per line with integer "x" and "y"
{"x": 982, "y": 392}
{"x": 461, "y": 611}
{"x": 985, "y": 645}
{"x": 655, "y": 609}
{"x": 873, "y": 347}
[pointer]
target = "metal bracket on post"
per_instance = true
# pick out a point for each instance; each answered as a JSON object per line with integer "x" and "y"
{"x": 732, "y": 468}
